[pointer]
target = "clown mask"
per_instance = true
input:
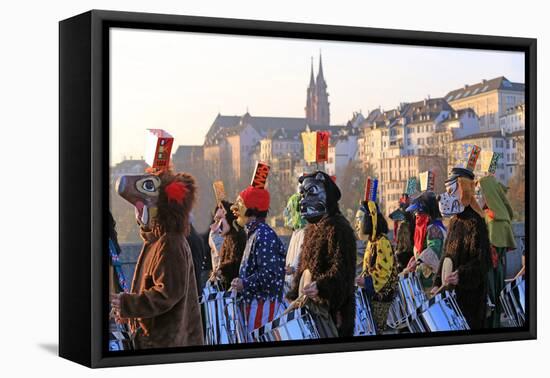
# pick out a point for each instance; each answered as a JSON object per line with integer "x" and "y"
{"x": 449, "y": 202}
{"x": 313, "y": 203}
{"x": 239, "y": 211}
{"x": 142, "y": 192}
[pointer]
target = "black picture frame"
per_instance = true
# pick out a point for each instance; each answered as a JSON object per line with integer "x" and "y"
{"x": 83, "y": 182}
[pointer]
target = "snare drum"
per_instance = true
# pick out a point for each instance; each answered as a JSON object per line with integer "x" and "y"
{"x": 223, "y": 321}
{"x": 364, "y": 322}
{"x": 440, "y": 313}
{"x": 410, "y": 296}
{"x": 297, "y": 324}
{"x": 512, "y": 298}
{"x": 119, "y": 337}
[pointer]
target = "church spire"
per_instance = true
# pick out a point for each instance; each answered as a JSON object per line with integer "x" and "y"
{"x": 311, "y": 79}
{"x": 320, "y": 76}
{"x": 317, "y": 105}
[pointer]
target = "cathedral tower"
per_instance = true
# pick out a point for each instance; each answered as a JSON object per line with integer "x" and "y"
{"x": 317, "y": 105}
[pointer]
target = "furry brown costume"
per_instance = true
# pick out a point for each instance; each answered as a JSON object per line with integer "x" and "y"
{"x": 232, "y": 249}
{"x": 467, "y": 245}
{"x": 329, "y": 252}
{"x": 162, "y": 307}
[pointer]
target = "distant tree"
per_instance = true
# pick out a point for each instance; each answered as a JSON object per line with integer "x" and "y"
{"x": 352, "y": 186}
{"x": 516, "y": 196}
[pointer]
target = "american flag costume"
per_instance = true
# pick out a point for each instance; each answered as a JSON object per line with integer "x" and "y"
{"x": 262, "y": 272}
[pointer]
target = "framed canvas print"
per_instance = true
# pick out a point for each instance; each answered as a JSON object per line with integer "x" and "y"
{"x": 237, "y": 188}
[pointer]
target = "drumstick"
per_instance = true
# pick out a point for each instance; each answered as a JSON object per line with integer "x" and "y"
{"x": 446, "y": 269}
{"x": 304, "y": 281}
{"x": 441, "y": 288}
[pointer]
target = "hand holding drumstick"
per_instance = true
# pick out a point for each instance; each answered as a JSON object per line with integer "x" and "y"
{"x": 311, "y": 291}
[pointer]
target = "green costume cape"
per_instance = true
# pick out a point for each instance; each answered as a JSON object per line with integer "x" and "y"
{"x": 500, "y": 228}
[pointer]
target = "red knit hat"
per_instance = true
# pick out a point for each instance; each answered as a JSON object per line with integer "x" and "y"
{"x": 255, "y": 198}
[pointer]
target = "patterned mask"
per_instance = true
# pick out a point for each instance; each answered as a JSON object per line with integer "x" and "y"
{"x": 291, "y": 213}
{"x": 449, "y": 202}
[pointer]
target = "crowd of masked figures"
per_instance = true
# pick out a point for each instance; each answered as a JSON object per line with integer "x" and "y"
{"x": 430, "y": 277}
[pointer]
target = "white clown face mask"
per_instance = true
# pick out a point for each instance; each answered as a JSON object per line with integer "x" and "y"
{"x": 449, "y": 202}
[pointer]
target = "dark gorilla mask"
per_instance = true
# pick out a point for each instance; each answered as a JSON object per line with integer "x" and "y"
{"x": 313, "y": 203}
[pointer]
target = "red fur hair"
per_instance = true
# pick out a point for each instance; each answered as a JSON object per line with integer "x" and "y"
{"x": 176, "y": 200}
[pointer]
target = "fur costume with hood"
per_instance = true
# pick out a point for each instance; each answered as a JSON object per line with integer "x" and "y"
{"x": 329, "y": 252}
{"x": 162, "y": 306}
{"x": 232, "y": 249}
{"x": 467, "y": 245}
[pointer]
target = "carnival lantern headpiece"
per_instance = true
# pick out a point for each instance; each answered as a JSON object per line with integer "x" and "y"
{"x": 426, "y": 201}
{"x": 405, "y": 200}
{"x": 369, "y": 220}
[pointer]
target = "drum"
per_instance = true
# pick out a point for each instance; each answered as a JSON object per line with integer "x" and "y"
{"x": 410, "y": 296}
{"x": 440, "y": 313}
{"x": 364, "y": 322}
{"x": 297, "y": 324}
{"x": 222, "y": 317}
{"x": 512, "y": 298}
{"x": 119, "y": 337}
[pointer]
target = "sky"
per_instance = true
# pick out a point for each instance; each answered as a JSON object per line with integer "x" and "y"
{"x": 180, "y": 81}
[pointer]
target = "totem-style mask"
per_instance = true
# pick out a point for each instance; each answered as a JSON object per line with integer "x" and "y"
{"x": 239, "y": 210}
{"x": 449, "y": 202}
{"x": 313, "y": 203}
{"x": 143, "y": 192}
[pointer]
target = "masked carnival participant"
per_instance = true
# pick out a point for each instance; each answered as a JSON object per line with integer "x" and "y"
{"x": 234, "y": 241}
{"x": 162, "y": 306}
{"x": 294, "y": 221}
{"x": 429, "y": 233}
{"x": 403, "y": 232}
{"x": 379, "y": 273}
{"x": 467, "y": 244}
{"x": 215, "y": 239}
{"x": 498, "y": 216}
{"x": 262, "y": 269}
{"x": 328, "y": 252}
